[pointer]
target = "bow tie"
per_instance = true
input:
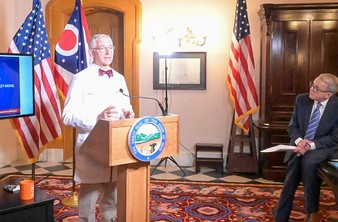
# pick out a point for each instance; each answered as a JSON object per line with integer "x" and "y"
{"x": 109, "y": 72}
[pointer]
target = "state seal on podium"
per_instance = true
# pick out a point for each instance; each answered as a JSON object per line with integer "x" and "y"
{"x": 147, "y": 138}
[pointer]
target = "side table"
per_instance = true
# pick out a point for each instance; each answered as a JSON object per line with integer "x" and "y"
{"x": 13, "y": 209}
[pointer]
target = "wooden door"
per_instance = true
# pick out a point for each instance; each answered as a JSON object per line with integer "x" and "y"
{"x": 288, "y": 73}
{"x": 120, "y": 20}
{"x": 324, "y": 57}
{"x": 287, "y": 76}
{"x": 109, "y": 22}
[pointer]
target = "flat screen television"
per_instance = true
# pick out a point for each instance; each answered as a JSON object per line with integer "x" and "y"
{"x": 16, "y": 85}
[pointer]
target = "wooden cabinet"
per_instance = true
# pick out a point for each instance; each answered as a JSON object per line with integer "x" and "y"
{"x": 298, "y": 42}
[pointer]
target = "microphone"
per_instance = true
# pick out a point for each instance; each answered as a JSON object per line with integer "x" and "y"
{"x": 145, "y": 97}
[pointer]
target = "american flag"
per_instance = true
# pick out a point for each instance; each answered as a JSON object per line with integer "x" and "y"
{"x": 36, "y": 131}
{"x": 71, "y": 51}
{"x": 241, "y": 73}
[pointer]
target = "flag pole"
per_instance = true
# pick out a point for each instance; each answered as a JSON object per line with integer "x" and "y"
{"x": 77, "y": 20}
{"x": 73, "y": 200}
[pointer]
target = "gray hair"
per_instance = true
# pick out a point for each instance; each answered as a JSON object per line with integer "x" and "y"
{"x": 92, "y": 43}
{"x": 331, "y": 82}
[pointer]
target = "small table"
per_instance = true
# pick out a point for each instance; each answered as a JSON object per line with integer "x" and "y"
{"x": 12, "y": 209}
{"x": 329, "y": 174}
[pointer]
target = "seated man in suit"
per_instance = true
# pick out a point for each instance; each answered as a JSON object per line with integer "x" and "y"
{"x": 313, "y": 129}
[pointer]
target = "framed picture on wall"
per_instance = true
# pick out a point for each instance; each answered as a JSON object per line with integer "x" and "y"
{"x": 180, "y": 70}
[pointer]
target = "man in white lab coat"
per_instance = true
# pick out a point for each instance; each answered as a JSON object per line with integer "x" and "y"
{"x": 94, "y": 94}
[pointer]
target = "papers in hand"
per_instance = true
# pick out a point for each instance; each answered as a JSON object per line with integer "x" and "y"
{"x": 278, "y": 148}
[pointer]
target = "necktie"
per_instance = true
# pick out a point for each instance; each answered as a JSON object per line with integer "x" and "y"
{"x": 313, "y": 123}
{"x": 109, "y": 72}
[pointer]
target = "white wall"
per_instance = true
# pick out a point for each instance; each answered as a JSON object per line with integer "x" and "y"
{"x": 206, "y": 115}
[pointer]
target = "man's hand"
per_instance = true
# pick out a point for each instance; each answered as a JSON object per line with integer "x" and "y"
{"x": 302, "y": 147}
{"x": 110, "y": 113}
{"x": 128, "y": 113}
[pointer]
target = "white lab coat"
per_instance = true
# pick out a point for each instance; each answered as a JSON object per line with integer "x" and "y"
{"x": 88, "y": 95}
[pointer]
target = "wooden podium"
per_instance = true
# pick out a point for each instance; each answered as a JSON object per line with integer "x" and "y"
{"x": 108, "y": 144}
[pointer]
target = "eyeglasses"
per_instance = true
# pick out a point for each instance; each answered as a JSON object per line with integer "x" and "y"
{"x": 315, "y": 88}
{"x": 103, "y": 48}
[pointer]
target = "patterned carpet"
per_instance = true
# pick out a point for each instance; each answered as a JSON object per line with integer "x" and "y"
{"x": 181, "y": 201}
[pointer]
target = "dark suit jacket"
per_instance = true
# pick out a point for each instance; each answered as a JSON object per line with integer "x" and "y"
{"x": 327, "y": 132}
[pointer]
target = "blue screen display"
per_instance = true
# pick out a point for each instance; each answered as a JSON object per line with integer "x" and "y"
{"x": 16, "y": 85}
